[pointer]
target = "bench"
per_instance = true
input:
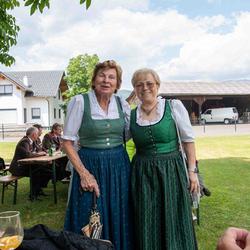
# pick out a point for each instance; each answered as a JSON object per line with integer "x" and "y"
{"x": 9, "y": 180}
{"x": 5, "y": 170}
{"x": 4, "y": 167}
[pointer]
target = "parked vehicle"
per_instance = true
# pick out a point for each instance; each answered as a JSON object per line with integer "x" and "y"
{"x": 226, "y": 115}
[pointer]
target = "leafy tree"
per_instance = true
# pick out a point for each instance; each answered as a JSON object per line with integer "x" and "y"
{"x": 9, "y": 29}
{"x": 79, "y": 73}
{"x": 41, "y": 4}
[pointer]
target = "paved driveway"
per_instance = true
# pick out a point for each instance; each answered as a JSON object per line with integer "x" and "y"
{"x": 222, "y": 130}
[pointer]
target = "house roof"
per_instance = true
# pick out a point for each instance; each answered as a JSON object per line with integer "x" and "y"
{"x": 185, "y": 88}
{"x": 41, "y": 83}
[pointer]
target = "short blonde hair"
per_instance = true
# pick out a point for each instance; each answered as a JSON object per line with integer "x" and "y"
{"x": 109, "y": 64}
{"x": 145, "y": 71}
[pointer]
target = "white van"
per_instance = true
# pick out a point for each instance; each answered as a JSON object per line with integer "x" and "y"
{"x": 226, "y": 115}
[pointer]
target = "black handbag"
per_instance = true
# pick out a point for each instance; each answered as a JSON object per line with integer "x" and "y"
{"x": 40, "y": 237}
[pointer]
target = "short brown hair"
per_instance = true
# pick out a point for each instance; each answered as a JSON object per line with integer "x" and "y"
{"x": 109, "y": 64}
{"x": 55, "y": 126}
{"x": 38, "y": 126}
{"x": 145, "y": 71}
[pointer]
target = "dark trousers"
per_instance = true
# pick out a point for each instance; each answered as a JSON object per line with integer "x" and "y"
{"x": 61, "y": 172}
{"x": 40, "y": 177}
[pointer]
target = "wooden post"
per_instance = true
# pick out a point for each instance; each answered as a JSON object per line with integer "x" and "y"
{"x": 2, "y": 131}
{"x": 199, "y": 100}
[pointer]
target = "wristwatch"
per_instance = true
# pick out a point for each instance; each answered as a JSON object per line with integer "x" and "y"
{"x": 194, "y": 170}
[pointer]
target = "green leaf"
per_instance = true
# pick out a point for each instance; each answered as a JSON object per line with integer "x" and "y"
{"x": 29, "y": 2}
{"x": 82, "y": 1}
{"x": 16, "y": 3}
{"x": 34, "y": 7}
{"x": 88, "y": 3}
{"x": 47, "y": 3}
{"x": 41, "y": 6}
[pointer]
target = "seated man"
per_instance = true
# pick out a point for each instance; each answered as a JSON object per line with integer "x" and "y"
{"x": 26, "y": 148}
{"x": 53, "y": 138}
{"x": 38, "y": 142}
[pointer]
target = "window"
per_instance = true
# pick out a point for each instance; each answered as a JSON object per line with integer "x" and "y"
{"x": 54, "y": 113}
{"x": 59, "y": 113}
{"x": 35, "y": 113}
{"x": 59, "y": 94}
{"x": 6, "y": 89}
{"x": 208, "y": 112}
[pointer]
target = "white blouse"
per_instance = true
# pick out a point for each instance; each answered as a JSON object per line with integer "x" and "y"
{"x": 75, "y": 111}
{"x": 180, "y": 116}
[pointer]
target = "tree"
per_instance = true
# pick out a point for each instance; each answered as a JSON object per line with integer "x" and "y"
{"x": 79, "y": 73}
{"x": 9, "y": 29}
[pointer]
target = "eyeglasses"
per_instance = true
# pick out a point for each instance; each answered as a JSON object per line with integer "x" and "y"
{"x": 149, "y": 85}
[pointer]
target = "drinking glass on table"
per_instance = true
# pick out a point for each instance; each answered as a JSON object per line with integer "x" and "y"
{"x": 11, "y": 230}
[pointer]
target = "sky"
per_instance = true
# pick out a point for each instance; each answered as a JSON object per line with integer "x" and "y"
{"x": 180, "y": 39}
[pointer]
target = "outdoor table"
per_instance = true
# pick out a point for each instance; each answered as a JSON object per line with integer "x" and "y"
{"x": 44, "y": 160}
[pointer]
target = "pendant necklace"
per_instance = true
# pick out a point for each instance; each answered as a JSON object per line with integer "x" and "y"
{"x": 148, "y": 112}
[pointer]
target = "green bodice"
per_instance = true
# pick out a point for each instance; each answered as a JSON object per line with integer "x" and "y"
{"x": 106, "y": 133}
{"x": 155, "y": 139}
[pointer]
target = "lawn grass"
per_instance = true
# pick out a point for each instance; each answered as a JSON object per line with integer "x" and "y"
{"x": 224, "y": 163}
{"x": 7, "y": 150}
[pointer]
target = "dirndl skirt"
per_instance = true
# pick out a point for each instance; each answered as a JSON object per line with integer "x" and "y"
{"x": 162, "y": 204}
{"x": 111, "y": 168}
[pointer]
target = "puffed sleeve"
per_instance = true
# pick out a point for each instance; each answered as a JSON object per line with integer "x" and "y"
{"x": 126, "y": 110}
{"x": 183, "y": 122}
{"x": 73, "y": 119}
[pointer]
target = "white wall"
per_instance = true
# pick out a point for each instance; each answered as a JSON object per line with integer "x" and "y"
{"x": 19, "y": 102}
{"x": 14, "y": 101}
{"x": 46, "y": 105}
{"x": 37, "y": 102}
{"x": 55, "y": 103}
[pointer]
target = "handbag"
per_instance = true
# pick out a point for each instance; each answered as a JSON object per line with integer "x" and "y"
{"x": 93, "y": 229}
{"x": 195, "y": 196}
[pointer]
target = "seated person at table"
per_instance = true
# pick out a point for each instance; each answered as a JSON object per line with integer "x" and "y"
{"x": 26, "y": 148}
{"x": 38, "y": 142}
{"x": 54, "y": 138}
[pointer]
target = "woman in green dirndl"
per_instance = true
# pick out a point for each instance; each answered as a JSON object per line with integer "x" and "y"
{"x": 99, "y": 120}
{"x": 161, "y": 198}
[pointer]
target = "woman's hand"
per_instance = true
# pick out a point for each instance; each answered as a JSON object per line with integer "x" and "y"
{"x": 194, "y": 183}
{"x": 88, "y": 183}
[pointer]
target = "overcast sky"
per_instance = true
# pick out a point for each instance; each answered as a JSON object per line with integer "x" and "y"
{"x": 180, "y": 39}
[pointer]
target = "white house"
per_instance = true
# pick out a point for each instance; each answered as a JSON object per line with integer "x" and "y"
{"x": 31, "y": 97}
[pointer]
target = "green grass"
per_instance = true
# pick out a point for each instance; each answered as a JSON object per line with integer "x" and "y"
{"x": 7, "y": 150}
{"x": 224, "y": 163}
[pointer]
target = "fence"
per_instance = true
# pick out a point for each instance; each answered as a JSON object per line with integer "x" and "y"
{"x": 13, "y": 130}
